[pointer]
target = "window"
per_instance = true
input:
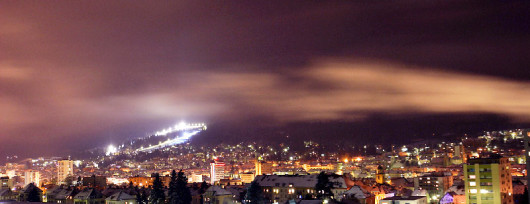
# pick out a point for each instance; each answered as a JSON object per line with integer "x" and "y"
{"x": 472, "y": 176}
{"x": 472, "y": 183}
{"x": 485, "y": 191}
{"x": 473, "y": 190}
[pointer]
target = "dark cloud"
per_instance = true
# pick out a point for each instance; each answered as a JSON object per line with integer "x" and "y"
{"x": 81, "y": 73}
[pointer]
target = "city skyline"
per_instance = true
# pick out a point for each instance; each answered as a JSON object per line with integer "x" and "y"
{"x": 78, "y": 75}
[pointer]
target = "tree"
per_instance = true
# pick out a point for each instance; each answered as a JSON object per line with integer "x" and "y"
{"x": 323, "y": 186}
{"x": 172, "y": 193}
{"x": 141, "y": 197}
{"x": 202, "y": 189}
{"x": 69, "y": 180}
{"x": 157, "y": 193}
{"x": 253, "y": 195}
{"x": 178, "y": 190}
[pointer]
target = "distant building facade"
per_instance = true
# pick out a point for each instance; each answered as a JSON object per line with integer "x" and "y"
{"x": 281, "y": 188}
{"x": 488, "y": 180}
{"x": 217, "y": 171}
{"x": 65, "y": 168}
{"x": 435, "y": 184}
{"x": 32, "y": 177}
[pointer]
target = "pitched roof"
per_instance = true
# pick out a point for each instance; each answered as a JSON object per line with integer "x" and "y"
{"x": 356, "y": 191}
{"x": 405, "y": 198}
{"x": 87, "y": 194}
{"x": 218, "y": 191}
{"x": 120, "y": 196}
{"x": 305, "y": 181}
{"x": 63, "y": 194}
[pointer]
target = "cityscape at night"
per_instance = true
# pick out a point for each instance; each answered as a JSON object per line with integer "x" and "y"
{"x": 264, "y": 102}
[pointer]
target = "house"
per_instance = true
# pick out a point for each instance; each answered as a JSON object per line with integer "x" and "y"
{"x": 281, "y": 188}
{"x": 453, "y": 198}
{"x": 7, "y": 195}
{"x": 217, "y": 195}
{"x": 51, "y": 193}
{"x": 121, "y": 198}
{"x": 89, "y": 196}
{"x": 25, "y": 192}
{"x": 65, "y": 196}
{"x": 356, "y": 192}
{"x": 405, "y": 200}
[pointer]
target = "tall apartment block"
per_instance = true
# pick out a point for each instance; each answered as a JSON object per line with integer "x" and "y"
{"x": 488, "y": 181}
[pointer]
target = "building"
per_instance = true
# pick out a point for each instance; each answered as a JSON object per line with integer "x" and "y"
{"x": 217, "y": 171}
{"x": 488, "y": 180}
{"x": 526, "y": 135}
{"x": 247, "y": 177}
{"x": 453, "y": 198}
{"x": 263, "y": 168}
{"x": 89, "y": 196}
{"x": 121, "y": 198}
{"x": 25, "y": 193}
{"x": 356, "y": 192}
{"x": 281, "y": 188}
{"x": 32, "y": 177}
{"x": 143, "y": 181}
{"x": 6, "y": 195}
{"x": 99, "y": 182}
{"x": 195, "y": 178}
{"x": 65, "y": 168}
{"x": 380, "y": 175}
{"x": 435, "y": 184}
{"x": 6, "y": 183}
{"x": 215, "y": 194}
{"x": 405, "y": 200}
{"x": 65, "y": 196}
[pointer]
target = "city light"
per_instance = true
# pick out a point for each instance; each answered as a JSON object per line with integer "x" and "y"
{"x": 111, "y": 149}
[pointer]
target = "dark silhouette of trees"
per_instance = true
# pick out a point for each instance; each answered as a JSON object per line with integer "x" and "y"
{"x": 141, "y": 197}
{"x": 157, "y": 193}
{"x": 323, "y": 186}
{"x": 202, "y": 190}
{"x": 178, "y": 190}
{"x": 254, "y": 195}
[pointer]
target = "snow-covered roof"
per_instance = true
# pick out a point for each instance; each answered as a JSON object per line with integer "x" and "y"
{"x": 63, "y": 194}
{"x": 355, "y": 191}
{"x": 120, "y": 196}
{"x": 303, "y": 181}
{"x": 218, "y": 191}
{"x": 88, "y": 194}
{"x": 419, "y": 192}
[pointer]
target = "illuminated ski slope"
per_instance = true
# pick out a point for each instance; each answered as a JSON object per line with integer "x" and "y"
{"x": 184, "y": 131}
{"x": 188, "y": 131}
{"x": 170, "y": 142}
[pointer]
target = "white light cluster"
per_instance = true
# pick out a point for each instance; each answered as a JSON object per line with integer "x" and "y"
{"x": 180, "y": 127}
{"x": 111, "y": 149}
{"x": 179, "y": 140}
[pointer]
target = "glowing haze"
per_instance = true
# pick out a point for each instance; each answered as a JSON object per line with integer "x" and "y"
{"x": 81, "y": 74}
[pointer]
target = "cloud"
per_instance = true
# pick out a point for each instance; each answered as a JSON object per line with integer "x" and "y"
{"x": 81, "y": 72}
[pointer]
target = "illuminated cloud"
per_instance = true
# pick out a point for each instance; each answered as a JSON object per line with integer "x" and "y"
{"x": 81, "y": 73}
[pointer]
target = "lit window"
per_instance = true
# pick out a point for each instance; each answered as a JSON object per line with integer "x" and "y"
{"x": 473, "y": 190}
{"x": 484, "y": 191}
{"x": 472, "y": 183}
{"x": 472, "y": 176}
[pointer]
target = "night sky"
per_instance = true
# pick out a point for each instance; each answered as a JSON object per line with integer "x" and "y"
{"x": 80, "y": 74}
